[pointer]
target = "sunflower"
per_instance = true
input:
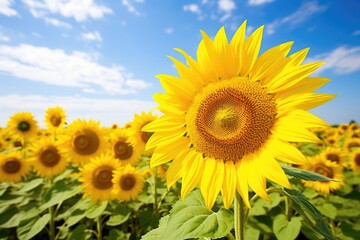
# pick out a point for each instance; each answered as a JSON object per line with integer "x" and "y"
{"x": 128, "y": 183}
{"x": 55, "y": 118}
{"x": 122, "y": 149}
{"x": 96, "y": 177}
{"x": 355, "y": 160}
{"x": 344, "y": 126}
{"x": 23, "y": 125}
{"x": 335, "y": 155}
{"x": 13, "y": 166}
{"x": 321, "y": 165}
{"x": 231, "y": 113}
{"x": 47, "y": 158}
{"x": 351, "y": 143}
{"x": 137, "y": 137}
{"x": 84, "y": 140}
{"x": 332, "y": 141}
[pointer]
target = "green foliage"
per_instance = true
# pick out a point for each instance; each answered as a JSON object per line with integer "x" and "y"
{"x": 303, "y": 174}
{"x": 286, "y": 230}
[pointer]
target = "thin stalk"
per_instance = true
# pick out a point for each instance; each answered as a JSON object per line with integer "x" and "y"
{"x": 288, "y": 208}
{"x": 155, "y": 192}
{"x": 240, "y": 217}
{"x": 230, "y": 236}
{"x": 52, "y": 223}
{"x": 99, "y": 227}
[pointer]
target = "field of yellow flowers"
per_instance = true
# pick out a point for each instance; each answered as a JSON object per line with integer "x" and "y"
{"x": 84, "y": 181}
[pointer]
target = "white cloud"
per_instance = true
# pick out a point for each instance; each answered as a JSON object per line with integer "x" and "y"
{"x": 342, "y": 60}
{"x": 4, "y": 38}
{"x": 259, "y": 2}
{"x": 92, "y": 36}
{"x": 5, "y": 8}
{"x": 356, "y": 33}
{"x": 226, "y": 5}
{"x": 192, "y": 7}
{"x": 169, "y": 30}
{"x": 57, "y": 23}
{"x": 79, "y": 10}
{"x": 76, "y": 69}
{"x": 108, "y": 110}
{"x": 35, "y": 34}
{"x": 130, "y": 7}
{"x": 305, "y": 11}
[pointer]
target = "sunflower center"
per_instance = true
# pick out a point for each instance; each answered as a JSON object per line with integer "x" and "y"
{"x": 55, "y": 120}
{"x": 86, "y": 143}
{"x": 231, "y": 118}
{"x": 127, "y": 182}
{"x": 353, "y": 144}
{"x": 324, "y": 170}
{"x": 122, "y": 150}
{"x": 357, "y": 159}
{"x": 11, "y": 166}
{"x": 23, "y": 126}
{"x": 333, "y": 157}
{"x": 102, "y": 177}
{"x": 50, "y": 157}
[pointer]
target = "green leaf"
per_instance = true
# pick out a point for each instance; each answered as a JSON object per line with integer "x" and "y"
{"x": 191, "y": 219}
{"x": 285, "y": 230}
{"x": 306, "y": 175}
{"x": 155, "y": 234}
{"x": 31, "y": 185}
{"x": 39, "y": 225}
{"x": 311, "y": 215}
{"x": 115, "y": 234}
{"x": 119, "y": 216}
{"x": 96, "y": 209}
{"x": 328, "y": 210}
{"x": 251, "y": 233}
{"x": 78, "y": 233}
{"x": 75, "y": 217}
{"x": 24, "y": 227}
{"x": 262, "y": 207}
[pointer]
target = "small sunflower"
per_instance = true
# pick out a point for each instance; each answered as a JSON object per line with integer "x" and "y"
{"x": 13, "y": 167}
{"x": 84, "y": 140}
{"x": 332, "y": 141}
{"x": 351, "y": 144}
{"x": 23, "y": 125}
{"x": 321, "y": 165}
{"x": 128, "y": 183}
{"x": 122, "y": 149}
{"x": 55, "y": 118}
{"x": 137, "y": 137}
{"x": 47, "y": 158}
{"x": 96, "y": 177}
{"x": 335, "y": 155}
{"x": 344, "y": 126}
{"x": 230, "y": 113}
{"x": 355, "y": 160}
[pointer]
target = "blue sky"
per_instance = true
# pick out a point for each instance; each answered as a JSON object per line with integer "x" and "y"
{"x": 98, "y": 59}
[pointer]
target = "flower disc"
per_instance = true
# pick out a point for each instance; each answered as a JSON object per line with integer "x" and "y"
{"x": 230, "y": 119}
{"x": 13, "y": 167}
{"x": 23, "y": 124}
{"x": 128, "y": 183}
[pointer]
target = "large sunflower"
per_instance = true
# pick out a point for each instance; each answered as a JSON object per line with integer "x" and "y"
{"x": 23, "y": 125}
{"x": 84, "y": 140}
{"x": 47, "y": 158}
{"x": 55, "y": 118}
{"x": 13, "y": 166}
{"x": 122, "y": 149}
{"x": 128, "y": 183}
{"x": 231, "y": 113}
{"x": 323, "y": 166}
{"x": 96, "y": 177}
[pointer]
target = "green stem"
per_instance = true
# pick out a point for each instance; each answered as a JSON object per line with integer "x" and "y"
{"x": 52, "y": 223}
{"x": 288, "y": 208}
{"x": 99, "y": 227}
{"x": 230, "y": 236}
{"x": 155, "y": 192}
{"x": 240, "y": 217}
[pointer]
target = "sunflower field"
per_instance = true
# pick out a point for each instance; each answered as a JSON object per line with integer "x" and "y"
{"x": 234, "y": 154}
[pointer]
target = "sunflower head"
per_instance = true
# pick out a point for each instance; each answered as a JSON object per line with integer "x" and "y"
{"x": 13, "y": 167}
{"x": 47, "y": 158}
{"x": 23, "y": 125}
{"x": 231, "y": 112}
{"x": 97, "y": 175}
{"x": 325, "y": 167}
{"x": 125, "y": 152}
{"x": 335, "y": 155}
{"x": 55, "y": 118}
{"x": 351, "y": 144}
{"x": 355, "y": 160}
{"x": 128, "y": 183}
{"x": 84, "y": 140}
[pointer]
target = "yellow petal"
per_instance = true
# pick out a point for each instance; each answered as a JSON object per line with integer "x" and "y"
{"x": 169, "y": 104}
{"x": 211, "y": 181}
{"x": 176, "y": 86}
{"x": 164, "y": 138}
{"x": 165, "y": 123}
{"x": 304, "y": 101}
{"x": 307, "y": 85}
{"x": 229, "y": 184}
{"x": 287, "y": 131}
{"x": 242, "y": 182}
{"x": 174, "y": 172}
{"x": 298, "y": 57}
{"x": 286, "y": 152}
{"x": 192, "y": 172}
